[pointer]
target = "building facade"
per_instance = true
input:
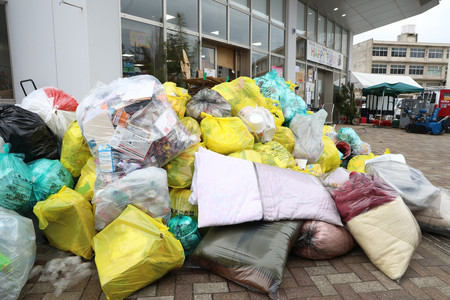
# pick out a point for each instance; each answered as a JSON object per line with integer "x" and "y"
{"x": 75, "y": 44}
{"x": 426, "y": 63}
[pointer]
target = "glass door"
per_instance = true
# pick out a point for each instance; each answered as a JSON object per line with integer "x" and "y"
{"x": 6, "y": 86}
{"x": 209, "y": 61}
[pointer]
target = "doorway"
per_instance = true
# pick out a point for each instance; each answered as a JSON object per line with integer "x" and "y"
{"x": 6, "y": 86}
{"x": 225, "y": 61}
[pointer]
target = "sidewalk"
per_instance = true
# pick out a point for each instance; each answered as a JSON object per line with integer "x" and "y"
{"x": 348, "y": 277}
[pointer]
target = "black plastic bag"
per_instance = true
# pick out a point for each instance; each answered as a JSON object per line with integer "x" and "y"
{"x": 27, "y": 133}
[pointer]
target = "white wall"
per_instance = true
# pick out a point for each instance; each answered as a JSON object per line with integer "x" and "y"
{"x": 60, "y": 45}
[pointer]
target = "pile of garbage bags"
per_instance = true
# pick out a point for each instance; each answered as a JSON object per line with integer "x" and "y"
{"x": 139, "y": 176}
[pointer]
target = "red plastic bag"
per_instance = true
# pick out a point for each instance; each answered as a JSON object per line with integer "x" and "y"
{"x": 61, "y": 100}
{"x": 361, "y": 193}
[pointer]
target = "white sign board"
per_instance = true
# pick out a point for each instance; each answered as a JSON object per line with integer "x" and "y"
{"x": 323, "y": 55}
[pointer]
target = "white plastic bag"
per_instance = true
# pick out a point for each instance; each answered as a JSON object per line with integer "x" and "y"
{"x": 259, "y": 121}
{"x": 17, "y": 252}
{"x": 145, "y": 188}
{"x": 57, "y": 117}
{"x": 307, "y": 130}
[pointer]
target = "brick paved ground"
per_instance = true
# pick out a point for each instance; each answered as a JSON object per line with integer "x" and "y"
{"x": 348, "y": 277}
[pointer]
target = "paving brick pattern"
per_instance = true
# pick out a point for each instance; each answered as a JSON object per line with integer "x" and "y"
{"x": 351, "y": 276}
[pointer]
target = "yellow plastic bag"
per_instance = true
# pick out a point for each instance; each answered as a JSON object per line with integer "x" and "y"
{"x": 243, "y": 92}
{"x": 134, "y": 251}
{"x": 86, "y": 182}
{"x": 285, "y": 137}
{"x": 181, "y": 169}
{"x": 178, "y": 97}
{"x": 75, "y": 151}
{"x": 225, "y": 135}
{"x": 274, "y": 154}
{"x": 329, "y": 159}
{"x": 180, "y": 205}
{"x": 356, "y": 164}
{"x": 313, "y": 169}
{"x": 250, "y": 155}
{"x": 327, "y": 128}
{"x": 192, "y": 126}
{"x": 67, "y": 220}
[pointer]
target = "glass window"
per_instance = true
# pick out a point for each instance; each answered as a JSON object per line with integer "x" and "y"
{"x": 434, "y": 70}
{"x": 208, "y": 58}
{"x": 239, "y": 27}
{"x": 398, "y": 52}
{"x": 142, "y": 50}
{"x": 151, "y": 10}
{"x": 321, "y": 33}
{"x": 344, "y": 41}
{"x": 300, "y": 48}
{"x": 176, "y": 42}
{"x": 301, "y": 16}
{"x": 415, "y": 52}
{"x": 260, "y": 64}
{"x": 330, "y": 34}
{"x": 300, "y": 73}
{"x": 311, "y": 24}
{"x": 260, "y": 35}
{"x": 278, "y": 65}
{"x": 435, "y": 53}
{"x": 260, "y": 8}
{"x": 397, "y": 69}
{"x": 379, "y": 51}
{"x": 277, "y": 40}
{"x": 277, "y": 11}
{"x": 214, "y": 19}
{"x": 186, "y": 9}
{"x": 6, "y": 86}
{"x": 379, "y": 69}
{"x": 242, "y": 4}
{"x": 415, "y": 70}
{"x": 338, "y": 38}
{"x": 448, "y": 52}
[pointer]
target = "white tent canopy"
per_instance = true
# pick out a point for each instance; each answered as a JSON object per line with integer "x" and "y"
{"x": 363, "y": 80}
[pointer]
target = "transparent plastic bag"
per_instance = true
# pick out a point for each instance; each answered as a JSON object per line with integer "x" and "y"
{"x": 67, "y": 221}
{"x": 274, "y": 87}
{"x": 144, "y": 188}
{"x": 225, "y": 135}
{"x": 134, "y": 251}
{"x": 274, "y": 154}
{"x": 86, "y": 182}
{"x": 181, "y": 169}
{"x": 259, "y": 121}
{"x": 243, "y": 92}
{"x": 285, "y": 137}
{"x": 178, "y": 97}
{"x": 54, "y": 106}
{"x": 307, "y": 130}
{"x": 15, "y": 182}
{"x": 17, "y": 252}
{"x": 133, "y": 117}
{"x": 210, "y": 102}
{"x": 250, "y": 155}
{"x": 74, "y": 151}
{"x": 49, "y": 176}
{"x": 362, "y": 149}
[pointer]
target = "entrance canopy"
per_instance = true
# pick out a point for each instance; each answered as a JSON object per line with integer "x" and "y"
{"x": 391, "y": 89}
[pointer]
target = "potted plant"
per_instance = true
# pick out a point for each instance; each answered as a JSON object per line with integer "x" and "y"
{"x": 346, "y": 104}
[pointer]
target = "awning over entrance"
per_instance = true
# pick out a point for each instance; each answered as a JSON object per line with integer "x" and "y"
{"x": 391, "y": 89}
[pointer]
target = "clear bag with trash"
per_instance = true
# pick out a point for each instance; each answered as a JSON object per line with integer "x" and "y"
{"x": 260, "y": 122}
{"x": 210, "y": 102}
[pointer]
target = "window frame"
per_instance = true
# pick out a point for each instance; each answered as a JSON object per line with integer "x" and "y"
{"x": 396, "y": 51}
{"x": 435, "y": 53}
{"x": 417, "y": 70}
{"x": 379, "y": 50}
{"x": 398, "y": 69}
{"x": 417, "y": 52}
{"x": 379, "y": 67}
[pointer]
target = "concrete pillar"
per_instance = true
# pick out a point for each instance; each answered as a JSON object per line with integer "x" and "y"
{"x": 290, "y": 51}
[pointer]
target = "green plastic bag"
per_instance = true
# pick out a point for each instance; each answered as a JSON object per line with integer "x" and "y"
{"x": 49, "y": 176}
{"x": 185, "y": 229}
{"x": 15, "y": 182}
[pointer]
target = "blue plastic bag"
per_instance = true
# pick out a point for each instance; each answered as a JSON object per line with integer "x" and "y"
{"x": 15, "y": 182}
{"x": 274, "y": 87}
{"x": 48, "y": 176}
{"x": 349, "y": 135}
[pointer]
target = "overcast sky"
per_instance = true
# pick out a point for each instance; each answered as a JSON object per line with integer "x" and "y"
{"x": 432, "y": 26}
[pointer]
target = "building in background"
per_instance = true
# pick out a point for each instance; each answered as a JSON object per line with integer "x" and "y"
{"x": 74, "y": 44}
{"x": 426, "y": 63}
